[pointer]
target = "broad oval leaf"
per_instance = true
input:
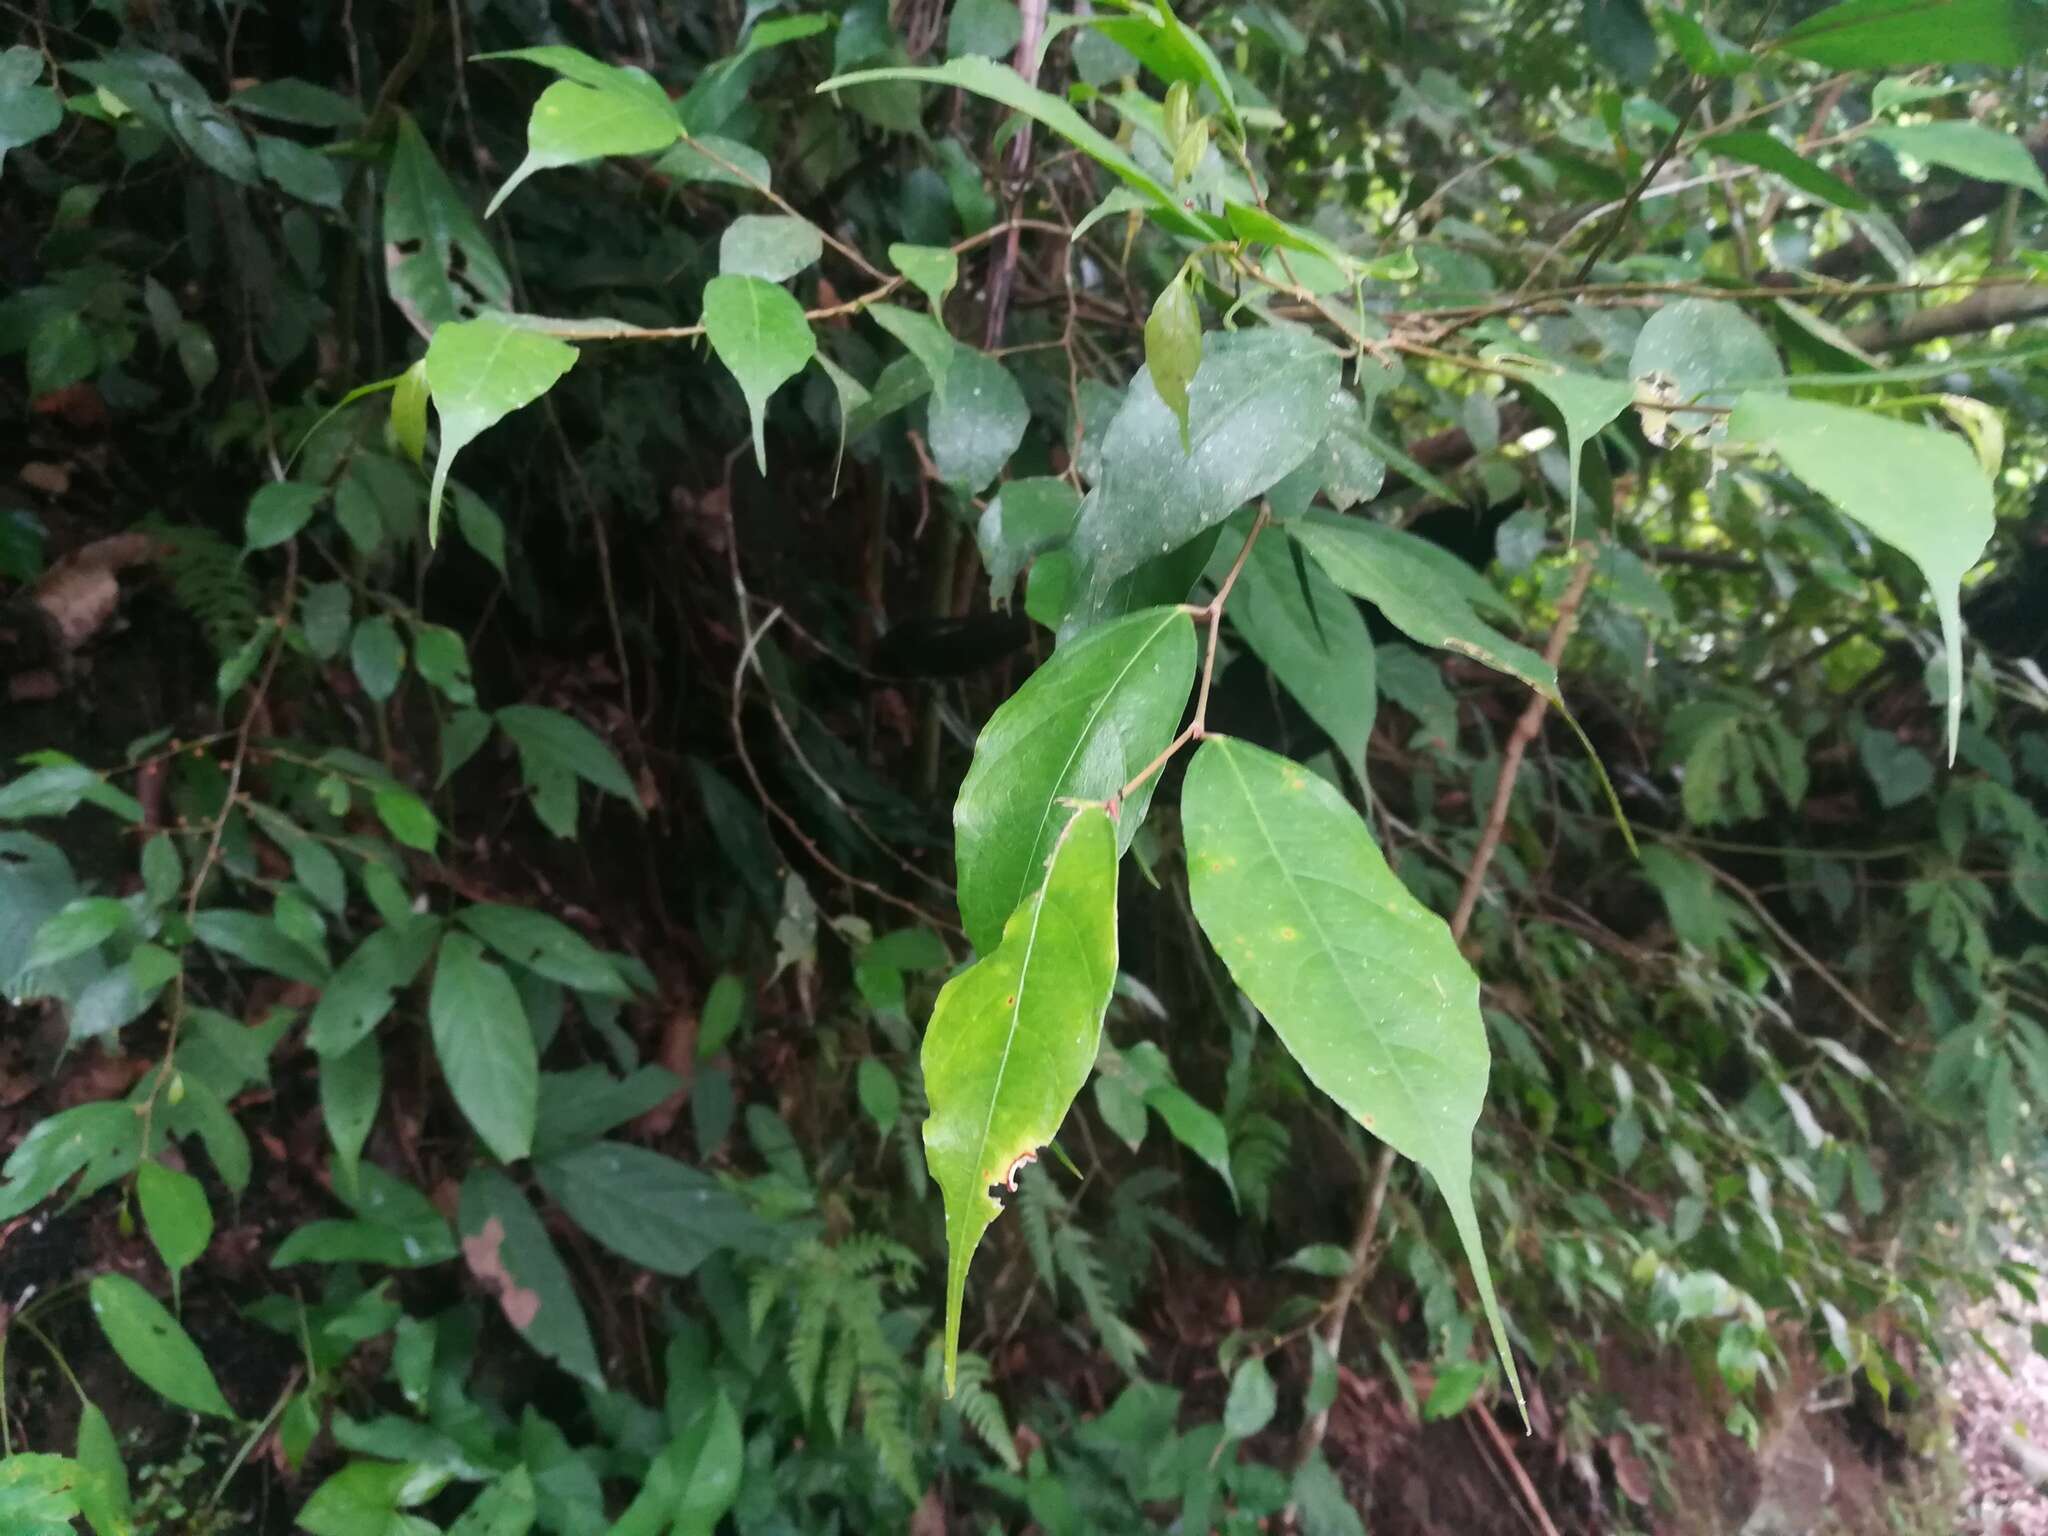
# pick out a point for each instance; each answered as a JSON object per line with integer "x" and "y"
{"x": 174, "y": 1209}
{"x": 1079, "y": 729}
{"x": 1364, "y": 985}
{"x": 1920, "y": 490}
{"x": 773, "y": 246}
{"x": 1585, "y": 403}
{"x": 485, "y": 1047}
{"x": 1012, "y": 1039}
{"x": 1703, "y": 352}
{"x": 1259, "y": 404}
{"x": 1311, "y": 635}
{"x": 761, "y": 334}
{"x": 599, "y": 110}
{"x": 153, "y": 1345}
{"x": 1173, "y": 347}
{"x": 479, "y": 372}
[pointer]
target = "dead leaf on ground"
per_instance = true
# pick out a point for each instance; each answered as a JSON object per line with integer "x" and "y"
{"x": 484, "y": 1253}
{"x": 50, "y": 479}
{"x": 80, "y": 592}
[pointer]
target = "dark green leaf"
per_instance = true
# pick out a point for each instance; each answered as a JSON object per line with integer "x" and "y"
{"x": 485, "y": 1047}
{"x": 650, "y": 1209}
{"x": 152, "y": 1345}
{"x": 507, "y": 1250}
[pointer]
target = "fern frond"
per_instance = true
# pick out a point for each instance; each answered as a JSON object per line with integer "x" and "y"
{"x": 981, "y": 1411}
{"x": 210, "y": 581}
{"x": 1082, "y": 1266}
{"x": 1037, "y": 1203}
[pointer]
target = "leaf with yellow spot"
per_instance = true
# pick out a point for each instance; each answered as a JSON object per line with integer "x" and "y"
{"x": 1364, "y": 986}
{"x": 1012, "y": 1039}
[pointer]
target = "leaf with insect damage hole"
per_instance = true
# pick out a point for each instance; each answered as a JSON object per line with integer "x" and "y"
{"x": 439, "y": 265}
{"x": 507, "y": 1249}
{"x": 1362, "y": 983}
{"x": 1012, "y": 1039}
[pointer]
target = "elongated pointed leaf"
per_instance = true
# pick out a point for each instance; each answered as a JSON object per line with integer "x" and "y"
{"x": 999, "y": 82}
{"x": 1586, "y": 403}
{"x": 485, "y": 1046}
{"x": 1971, "y": 148}
{"x": 507, "y": 1249}
{"x": 1921, "y": 491}
{"x": 1312, "y": 636}
{"x": 153, "y": 1345}
{"x": 1418, "y": 596}
{"x": 1755, "y": 146}
{"x": 1012, "y": 1039}
{"x": 1904, "y": 34}
{"x": 439, "y": 264}
{"x": 1079, "y": 729}
{"x": 479, "y": 372}
{"x": 596, "y": 110}
{"x": 760, "y": 333}
{"x": 1364, "y": 985}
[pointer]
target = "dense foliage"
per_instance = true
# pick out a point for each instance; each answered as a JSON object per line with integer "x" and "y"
{"x": 765, "y": 755}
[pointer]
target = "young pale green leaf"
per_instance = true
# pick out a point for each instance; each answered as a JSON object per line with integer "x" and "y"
{"x": 932, "y": 269}
{"x": 439, "y": 263}
{"x": 507, "y": 1250}
{"x": 770, "y": 246}
{"x": 364, "y": 1499}
{"x": 1173, "y": 347}
{"x": 479, "y": 372}
{"x": 175, "y": 1211}
{"x": 1311, "y": 634}
{"x": 151, "y": 1343}
{"x": 1012, "y": 1039}
{"x": 1585, "y": 403}
{"x": 999, "y": 82}
{"x": 761, "y": 334}
{"x": 1260, "y": 403}
{"x": 1920, "y": 490}
{"x": 409, "y": 413}
{"x": 1364, "y": 985}
{"x": 1755, "y": 146}
{"x": 1161, "y": 42}
{"x": 1904, "y": 34}
{"x": 1972, "y": 148}
{"x": 1418, "y": 596}
{"x": 1079, "y": 729}
{"x": 597, "y": 111}
{"x": 39, "y": 1493}
{"x": 485, "y": 1047}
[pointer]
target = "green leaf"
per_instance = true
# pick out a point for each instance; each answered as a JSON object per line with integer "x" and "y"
{"x": 978, "y": 416}
{"x": 1249, "y": 1407}
{"x": 1194, "y": 1127}
{"x": 507, "y": 1249}
{"x": 38, "y": 1493}
{"x": 78, "y": 926}
{"x": 771, "y": 246}
{"x": 1260, "y": 403}
{"x": 485, "y": 1047}
{"x": 443, "y": 661}
{"x": 1079, "y": 729}
{"x": 1173, "y": 347}
{"x": 1403, "y": 577}
{"x": 409, "y": 413}
{"x": 760, "y": 333}
{"x": 1311, "y": 635}
{"x": 1975, "y": 149}
{"x": 174, "y": 1209}
{"x": 305, "y": 173}
{"x": 377, "y": 655}
{"x": 1705, "y": 51}
{"x": 279, "y": 510}
{"x": 932, "y": 269}
{"x": 1024, "y": 520}
{"x": 1920, "y": 490}
{"x": 545, "y": 946}
{"x": 1012, "y": 1039}
{"x": 506, "y": 1507}
{"x": 1165, "y": 46}
{"x": 351, "y": 1088}
{"x": 1584, "y": 402}
{"x": 1703, "y": 352}
{"x": 28, "y": 111}
{"x": 298, "y": 101}
{"x": 652, "y": 1210}
{"x": 256, "y": 940}
{"x": 364, "y": 1499}
{"x": 438, "y": 262}
{"x": 1764, "y": 150}
{"x": 598, "y": 111}
{"x": 151, "y": 1343}
{"x": 999, "y": 82}
{"x": 103, "y": 1496}
{"x": 553, "y": 745}
{"x": 881, "y": 1096}
{"x": 358, "y": 997}
{"x": 1456, "y": 1384}
{"x": 577, "y": 1107}
{"x": 1363, "y": 984}
{"x": 1900, "y": 773}
{"x": 479, "y": 372}
{"x": 990, "y": 28}
{"x": 1903, "y": 34}
{"x": 707, "y": 157}
{"x": 1328, "y": 1260}
{"x": 406, "y": 817}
